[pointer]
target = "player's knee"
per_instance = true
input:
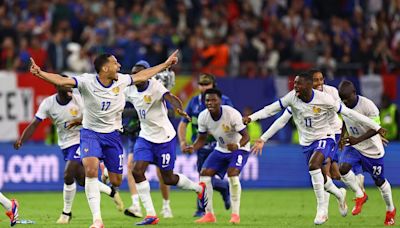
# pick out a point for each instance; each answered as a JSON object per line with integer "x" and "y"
{"x": 379, "y": 181}
{"x": 137, "y": 172}
{"x": 130, "y": 166}
{"x": 344, "y": 169}
{"x": 313, "y": 166}
{"x": 335, "y": 176}
{"x": 68, "y": 178}
{"x": 91, "y": 172}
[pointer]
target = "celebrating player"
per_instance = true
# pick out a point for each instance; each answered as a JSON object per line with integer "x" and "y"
{"x": 65, "y": 110}
{"x": 104, "y": 101}
{"x": 364, "y": 147}
{"x": 311, "y": 109}
{"x": 230, "y": 155}
{"x": 156, "y": 142}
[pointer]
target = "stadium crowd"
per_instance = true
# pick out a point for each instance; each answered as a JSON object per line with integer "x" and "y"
{"x": 224, "y": 37}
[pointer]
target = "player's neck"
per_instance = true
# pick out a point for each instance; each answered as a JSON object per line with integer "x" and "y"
{"x": 104, "y": 80}
{"x": 216, "y": 115}
{"x": 308, "y": 96}
{"x": 63, "y": 99}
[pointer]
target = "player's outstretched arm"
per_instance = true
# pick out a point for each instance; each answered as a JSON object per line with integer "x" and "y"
{"x": 199, "y": 143}
{"x": 276, "y": 126}
{"x": 351, "y": 114}
{"x": 146, "y": 74}
{"x": 27, "y": 134}
{"x": 54, "y": 79}
{"x": 355, "y": 140}
{"x": 182, "y": 134}
{"x": 264, "y": 113}
{"x": 177, "y": 105}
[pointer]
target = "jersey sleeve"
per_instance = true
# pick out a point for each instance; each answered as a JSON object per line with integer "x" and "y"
{"x": 81, "y": 81}
{"x": 351, "y": 114}
{"x": 43, "y": 110}
{"x": 277, "y": 125}
{"x": 373, "y": 112}
{"x": 267, "y": 111}
{"x": 202, "y": 125}
{"x": 159, "y": 89}
{"x": 236, "y": 119}
{"x": 126, "y": 79}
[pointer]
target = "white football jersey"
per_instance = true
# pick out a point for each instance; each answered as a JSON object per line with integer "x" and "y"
{"x": 335, "y": 121}
{"x": 61, "y": 115}
{"x": 311, "y": 118}
{"x": 225, "y": 130}
{"x": 103, "y": 105}
{"x": 152, "y": 111}
{"x": 373, "y": 146}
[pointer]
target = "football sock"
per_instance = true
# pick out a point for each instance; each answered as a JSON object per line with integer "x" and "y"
{"x": 327, "y": 196}
{"x": 210, "y": 192}
{"x": 69, "y": 192}
{"x": 5, "y": 202}
{"x": 143, "y": 189}
{"x": 220, "y": 185}
{"x": 317, "y": 180}
{"x": 93, "y": 196}
{"x": 105, "y": 189}
{"x": 135, "y": 200}
{"x": 386, "y": 192}
{"x": 331, "y": 188}
{"x": 236, "y": 189}
{"x": 165, "y": 202}
{"x": 360, "y": 179}
{"x": 351, "y": 181}
{"x": 187, "y": 184}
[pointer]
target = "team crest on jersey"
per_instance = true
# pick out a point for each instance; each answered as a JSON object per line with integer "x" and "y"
{"x": 73, "y": 112}
{"x": 316, "y": 110}
{"x": 115, "y": 90}
{"x": 147, "y": 99}
{"x": 226, "y": 128}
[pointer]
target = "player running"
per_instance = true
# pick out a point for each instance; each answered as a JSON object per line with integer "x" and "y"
{"x": 364, "y": 147}
{"x": 104, "y": 101}
{"x": 11, "y": 207}
{"x": 230, "y": 155}
{"x": 311, "y": 109}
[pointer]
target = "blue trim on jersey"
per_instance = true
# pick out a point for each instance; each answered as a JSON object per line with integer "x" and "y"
{"x": 340, "y": 109}
{"x": 40, "y": 119}
{"x": 289, "y": 111}
{"x": 97, "y": 77}
{"x": 202, "y": 133}
{"x": 312, "y": 97}
{"x": 165, "y": 94}
{"x": 355, "y": 104}
{"x": 62, "y": 104}
{"x": 280, "y": 103}
{"x": 131, "y": 80}
{"x": 144, "y": 88}
{"x": 76, "y": 82}
{"x": 220, "y": 114}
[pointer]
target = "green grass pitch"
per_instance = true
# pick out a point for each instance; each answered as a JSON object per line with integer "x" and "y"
{"x": 259, "y": 208}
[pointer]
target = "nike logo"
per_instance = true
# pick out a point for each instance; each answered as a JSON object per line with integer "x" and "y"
{"x": 164, "y": 166}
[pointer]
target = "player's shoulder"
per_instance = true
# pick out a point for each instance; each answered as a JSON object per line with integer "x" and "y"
{"x": 330, "y": 89}
{"x": 50, "y": 99}
{"x": 366, "y": 102}
{"x": 322, "y": 95}
{"x": 229, "y": 109}
{"x": 203, "y": 114}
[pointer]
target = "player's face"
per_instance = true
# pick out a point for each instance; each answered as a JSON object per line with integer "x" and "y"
{"x": 318, "y": 81}
{"x": 112, "y": 67}
{"x": 301, "y": 86}
{"x": 204, "y": 87}
{"x": 64, "y": 91}
{"x": 213, "y": 102}
{"x": 348, "y": 97}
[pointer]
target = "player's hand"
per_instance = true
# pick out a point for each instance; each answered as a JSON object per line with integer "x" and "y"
{"x": 385, "y": 141}
{"x": 257, "y": 147}
{"x": 74, "y": 123}
{"x": 188, "y": 150}
{"x": 183, "y": 146}
{"x": 172, "y": 59}
{"x": 382, "y": 132}
{"x": 183, "y": 114}
{"x": 246, "y": 120}
{"x": 351, "y": 140}
{"x": 34, "y": 69}
{"x": 17, "y": 144}
{"x": 232, "y": 146}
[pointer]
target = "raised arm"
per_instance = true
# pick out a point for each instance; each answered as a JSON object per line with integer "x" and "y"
{"x": 54, "y": 79}
{"x": 146, "y": 74}
{"x": 264, "y": 113}
{"x": 275, "y": 127}
{"x": 27, "y": 134}
{"x": 177, "y": 105}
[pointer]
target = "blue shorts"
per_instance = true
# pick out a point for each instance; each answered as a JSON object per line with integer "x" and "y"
{"x": 220, "y": 162}
{"x": 202, "y": 156}
{"x": 325, "y": 146}
{"x": 162, "y": 155}
{"x": 131, "y": 144}
{"x": 72, "y": 153}
{"x": 105, "y": 146}
{"x": 335, "y": 151}
{"x": 373, "y": 166}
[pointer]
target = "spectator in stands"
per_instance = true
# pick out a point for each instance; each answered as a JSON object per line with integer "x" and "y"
{"x": 57, "y": 53}
{"x": 8, "y": 55}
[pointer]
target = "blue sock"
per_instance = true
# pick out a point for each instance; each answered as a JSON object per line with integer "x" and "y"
{"x": 220, "y": 185}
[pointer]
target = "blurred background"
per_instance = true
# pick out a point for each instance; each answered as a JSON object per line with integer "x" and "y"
{"x": 253, "y": 47}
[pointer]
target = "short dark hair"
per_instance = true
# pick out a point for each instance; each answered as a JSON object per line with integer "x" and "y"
{"x": 213, "y": 91}
{"x": 100, "y": 60}
{"x": 306, "y": 75}
{"x": 314, "y": 70}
